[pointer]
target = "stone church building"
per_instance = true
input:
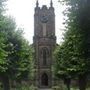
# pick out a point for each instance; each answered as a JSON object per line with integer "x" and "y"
{"x": 44, "y": 42}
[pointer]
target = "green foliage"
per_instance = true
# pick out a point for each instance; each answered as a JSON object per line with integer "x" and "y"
{"x": 73, "y": 56}
{"x": 3, "y": 54}
{"x": 25, "y": 87}
{"x": 2, "y": 4}
{"x": 15, "y": 52}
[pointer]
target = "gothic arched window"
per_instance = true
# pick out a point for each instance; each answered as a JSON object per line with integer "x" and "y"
{"x": 45, "y": 55}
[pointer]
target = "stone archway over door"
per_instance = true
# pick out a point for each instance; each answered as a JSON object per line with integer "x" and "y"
{"x": 44, "y": 80}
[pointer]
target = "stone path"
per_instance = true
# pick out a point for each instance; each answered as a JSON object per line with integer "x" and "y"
{"x": 45, "y": 89}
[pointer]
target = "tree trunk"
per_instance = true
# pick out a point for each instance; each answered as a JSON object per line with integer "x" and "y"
{"x": 82, "y": 81}
{"x": 67, "y": 81}
{"x": 5, "y": 82}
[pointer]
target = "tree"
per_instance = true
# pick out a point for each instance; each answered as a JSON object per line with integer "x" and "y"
{"x": 68, "y": 65}
{"x": 18, "y": 61}
{"x": 23, "y": 57}
{"x": 15, "y": 51}
{"x": 76, "y": 40}
{"x": 61, "y": 66}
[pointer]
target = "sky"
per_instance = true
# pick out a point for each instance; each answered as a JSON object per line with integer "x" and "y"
{"x": 23, "y": 12}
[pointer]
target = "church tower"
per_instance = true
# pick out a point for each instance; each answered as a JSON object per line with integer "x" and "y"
{"x": 44, "y": 41}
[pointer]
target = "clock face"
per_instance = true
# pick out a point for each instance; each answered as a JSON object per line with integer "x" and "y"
{"x": 44, "y": 19}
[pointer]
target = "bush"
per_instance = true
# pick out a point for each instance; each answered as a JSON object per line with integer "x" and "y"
{"x": 24, "y": 87}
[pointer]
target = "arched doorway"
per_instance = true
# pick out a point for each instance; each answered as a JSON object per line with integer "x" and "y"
{"x": 44, "y": 80}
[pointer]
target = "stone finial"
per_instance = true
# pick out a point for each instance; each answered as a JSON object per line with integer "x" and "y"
{"x": 51, "y": 3}
{"x": 37, "y": 3}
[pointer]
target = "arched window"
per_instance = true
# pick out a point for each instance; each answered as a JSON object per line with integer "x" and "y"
{"x": 45, "y": 55}
{"x": 44, "y": 80}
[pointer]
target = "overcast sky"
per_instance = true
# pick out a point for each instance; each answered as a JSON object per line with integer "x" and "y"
{"x": 23, "y": 12}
